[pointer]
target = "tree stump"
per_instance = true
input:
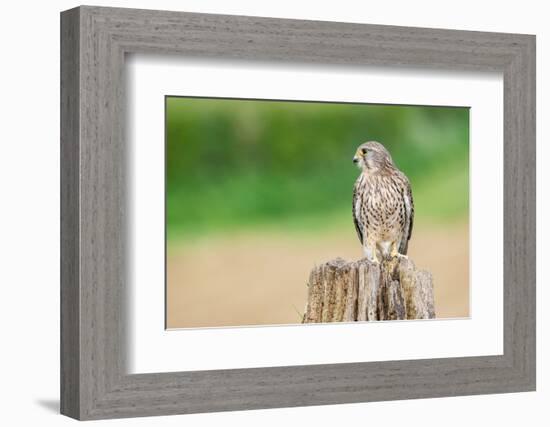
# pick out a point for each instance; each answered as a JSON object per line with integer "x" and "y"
{"x": 342, "y": 291}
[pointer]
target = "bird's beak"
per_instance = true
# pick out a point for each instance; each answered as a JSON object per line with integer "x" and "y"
{"x": 355, "y": 159}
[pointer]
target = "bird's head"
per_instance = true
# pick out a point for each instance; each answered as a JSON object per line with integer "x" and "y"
{"x": 372, "y": 156}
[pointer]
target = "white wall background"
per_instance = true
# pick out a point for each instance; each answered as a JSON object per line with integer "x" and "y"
{"x": 29, "y": 224}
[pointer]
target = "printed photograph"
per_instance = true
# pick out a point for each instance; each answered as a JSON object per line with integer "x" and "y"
{"x": 289, "y": 212}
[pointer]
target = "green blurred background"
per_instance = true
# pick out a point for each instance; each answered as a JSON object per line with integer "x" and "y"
{"x": 266, "y": 186}
{"x": 234, "y": 163}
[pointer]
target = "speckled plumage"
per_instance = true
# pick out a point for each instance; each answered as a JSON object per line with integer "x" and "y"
{"x": 383, "y": 207}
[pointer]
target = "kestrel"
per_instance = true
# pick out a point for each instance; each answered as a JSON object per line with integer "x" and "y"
{"x": 383, "y": 207}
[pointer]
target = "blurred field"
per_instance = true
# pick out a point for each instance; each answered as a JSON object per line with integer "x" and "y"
{"x": 257, "y": 192}
{"x": 259, "y": 278}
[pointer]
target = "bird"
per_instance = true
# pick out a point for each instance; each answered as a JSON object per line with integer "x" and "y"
{"x": 383, "y": 208}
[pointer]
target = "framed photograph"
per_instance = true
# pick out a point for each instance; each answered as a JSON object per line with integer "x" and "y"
{"x": 261, "y": 213}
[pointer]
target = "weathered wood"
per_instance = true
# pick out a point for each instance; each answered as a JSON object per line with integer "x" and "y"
{"x": 364, "y": 291}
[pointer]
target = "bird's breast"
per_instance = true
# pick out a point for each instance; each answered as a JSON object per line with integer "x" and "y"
{"x": 380, "y": 204}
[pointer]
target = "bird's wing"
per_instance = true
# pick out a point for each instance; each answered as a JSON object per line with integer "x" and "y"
{"x": 409, "y": 218}
{"x": 355, "y": 210}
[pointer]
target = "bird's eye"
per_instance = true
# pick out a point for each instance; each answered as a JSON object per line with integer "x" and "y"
{"x": 364, "y": 151}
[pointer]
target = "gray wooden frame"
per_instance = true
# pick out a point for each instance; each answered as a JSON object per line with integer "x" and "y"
{"x": 94, "y": 382}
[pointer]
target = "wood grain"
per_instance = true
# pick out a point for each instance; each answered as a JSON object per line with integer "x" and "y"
{"x": 342, "y": 291}
{"x": 95, "y": 277}
{"x": 70, "y": 220}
